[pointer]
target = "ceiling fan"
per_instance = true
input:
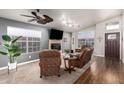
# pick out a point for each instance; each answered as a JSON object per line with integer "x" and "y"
{"x": 44, "y": 19}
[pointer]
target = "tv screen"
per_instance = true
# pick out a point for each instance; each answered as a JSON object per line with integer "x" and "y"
{"x": 56, "y": 34}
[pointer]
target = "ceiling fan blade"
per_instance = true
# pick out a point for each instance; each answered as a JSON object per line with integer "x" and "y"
{"x": 47, "y": 18}
{"x": 34, "y": 13}
{"x": 31, "y": 20}
{"x": 41, "y": 22}
{"x": 27, "y": 16}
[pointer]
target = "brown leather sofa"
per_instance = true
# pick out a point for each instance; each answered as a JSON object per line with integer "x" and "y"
{"x": 82, "y": 59}
{"x": 50, "y": 61}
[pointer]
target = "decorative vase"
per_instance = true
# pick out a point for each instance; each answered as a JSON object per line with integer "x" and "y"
{"x": 12, "y": 66}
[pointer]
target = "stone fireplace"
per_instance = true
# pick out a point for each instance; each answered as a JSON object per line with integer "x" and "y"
{"x": 55, "y": 44}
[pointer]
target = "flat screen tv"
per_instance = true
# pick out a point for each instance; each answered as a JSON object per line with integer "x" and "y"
{"x": 56, "y": 34}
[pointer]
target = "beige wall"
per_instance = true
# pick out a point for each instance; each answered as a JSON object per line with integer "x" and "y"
{"x": 99, "y": 47}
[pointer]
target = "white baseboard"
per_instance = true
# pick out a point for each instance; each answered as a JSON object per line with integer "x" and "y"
{"x": 19, "y": 64}
{"x": 23, "y": 63}
{"x": 2, "y": 68}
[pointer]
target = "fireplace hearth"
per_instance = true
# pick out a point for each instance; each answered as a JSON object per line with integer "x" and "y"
{"x": 56, "y": 46}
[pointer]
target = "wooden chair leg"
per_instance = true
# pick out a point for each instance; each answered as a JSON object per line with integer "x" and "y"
{"x": 58, "y": 75}
{"x": 69, "y": 69}
{"x": 40, "y": 76}
{"x": 40, "y": 73}
{"x": 58, "y": 71}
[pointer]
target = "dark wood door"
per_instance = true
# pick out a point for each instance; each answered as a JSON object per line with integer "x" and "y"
{"x": 112, "y": 45}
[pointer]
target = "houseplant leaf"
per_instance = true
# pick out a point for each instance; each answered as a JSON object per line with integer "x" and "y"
{"x": 13, "y": 41}
{"x": 16, "y": 54}
{"x": 15, "y": 48}
{"x": 6, "y": 46}
{"x": 12, "y": 49}
{"x": 6, "y": 38}
{"x": 3, "y": 53}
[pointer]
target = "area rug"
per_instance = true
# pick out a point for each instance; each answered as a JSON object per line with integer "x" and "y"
{"x": 30, "y": 74}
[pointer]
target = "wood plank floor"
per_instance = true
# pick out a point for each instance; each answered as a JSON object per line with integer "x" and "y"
{"x": 103, "y": 71}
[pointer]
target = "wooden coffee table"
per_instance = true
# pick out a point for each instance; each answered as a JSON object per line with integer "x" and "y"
{"x": 66, "y": 62}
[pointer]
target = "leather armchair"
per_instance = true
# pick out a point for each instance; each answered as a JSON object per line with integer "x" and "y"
{"x": 50, "y": 61}
{"x": 82, "y": 59}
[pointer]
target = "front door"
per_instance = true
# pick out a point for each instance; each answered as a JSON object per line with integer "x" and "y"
{"x": 112, "y": 45}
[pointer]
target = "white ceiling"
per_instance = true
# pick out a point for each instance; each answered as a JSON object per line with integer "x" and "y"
{"x": 81, "y": 18}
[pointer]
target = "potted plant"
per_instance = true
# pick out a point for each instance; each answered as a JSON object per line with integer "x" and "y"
{"x": 67, "y": 51}
{"x": 12, "y": 50}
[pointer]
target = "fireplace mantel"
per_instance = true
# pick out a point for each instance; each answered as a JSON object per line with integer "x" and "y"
{"x": 54, "y": 42}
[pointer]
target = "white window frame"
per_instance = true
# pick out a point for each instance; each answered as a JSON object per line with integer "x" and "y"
{"x": 15, "y": 31}
{"x": 79, "y": 37}
{"x": 112, "y": 26}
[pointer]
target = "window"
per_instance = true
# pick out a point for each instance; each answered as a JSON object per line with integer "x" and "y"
{"x": 22, "y": 43}
{"x": 112, "y": 36}
{"x": 112, "y": 26}
{"x": 30, "y": 41}
{"x": 86, "y": 38}
{"x": 33, "y": 44}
